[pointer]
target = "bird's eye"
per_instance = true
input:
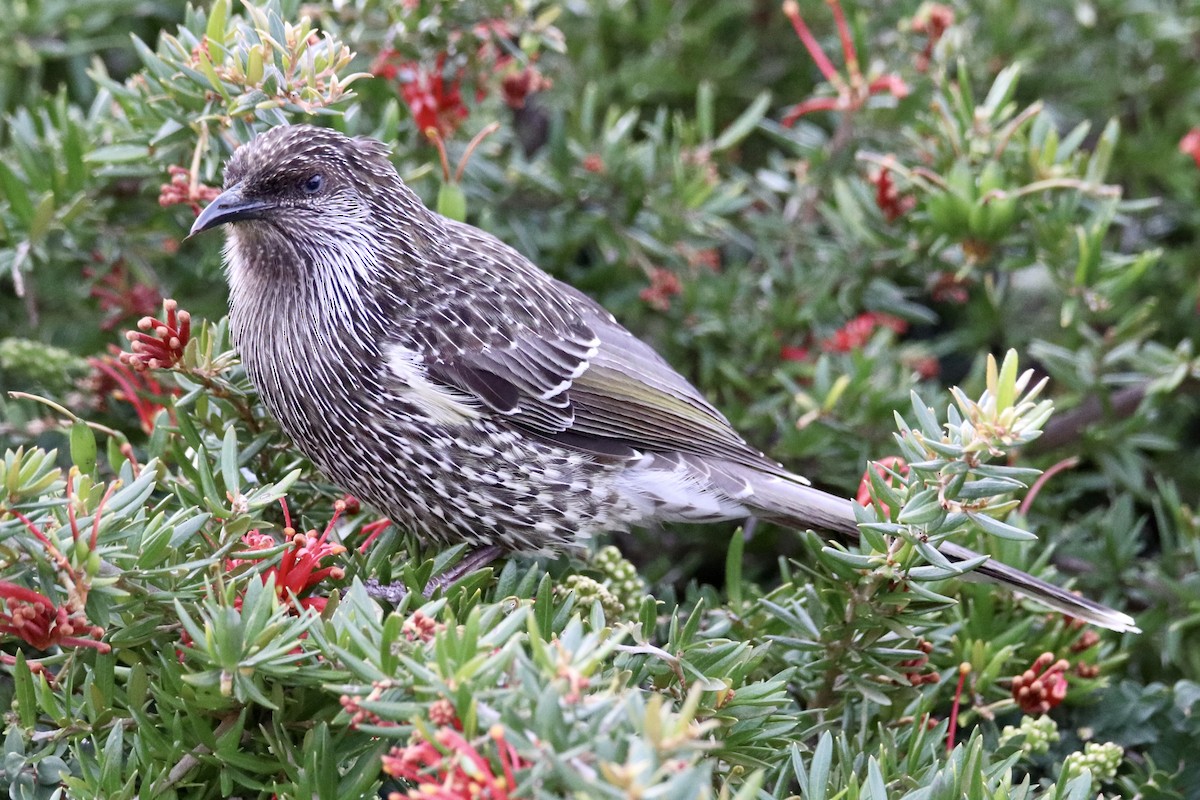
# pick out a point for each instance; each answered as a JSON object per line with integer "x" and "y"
{"x": 314, "y": 183}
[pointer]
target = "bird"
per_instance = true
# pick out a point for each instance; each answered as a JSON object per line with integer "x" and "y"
{"x": 430, "y": 369}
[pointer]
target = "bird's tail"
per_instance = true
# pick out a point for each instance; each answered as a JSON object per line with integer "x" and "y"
{"x": 797, "y": 505}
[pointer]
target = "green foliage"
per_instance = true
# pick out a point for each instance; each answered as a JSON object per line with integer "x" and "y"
{"x": 185, "y": 609}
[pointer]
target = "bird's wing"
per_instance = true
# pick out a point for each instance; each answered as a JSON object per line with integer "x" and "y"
{"x": 527, "y": 378}
{"x": 510, "y": 340}
{"x": 582, "y": 380}
{"x": 629, "y": 392}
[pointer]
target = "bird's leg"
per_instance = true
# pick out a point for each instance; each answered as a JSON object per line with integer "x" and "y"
{"x": 392, "y": 593}
{"x": 748, "y": 528}
{"x": 476, "y": 559}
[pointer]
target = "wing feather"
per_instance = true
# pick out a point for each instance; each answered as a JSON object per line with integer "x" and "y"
{"x": 553, "y": 361}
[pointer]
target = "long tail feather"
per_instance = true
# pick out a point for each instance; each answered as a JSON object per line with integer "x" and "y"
{"x": 799, "y": 506}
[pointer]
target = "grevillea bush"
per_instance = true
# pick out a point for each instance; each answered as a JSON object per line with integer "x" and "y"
{"x": 939, "y": 258}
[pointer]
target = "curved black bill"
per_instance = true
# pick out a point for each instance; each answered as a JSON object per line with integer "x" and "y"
{"x": 230, "y": 206}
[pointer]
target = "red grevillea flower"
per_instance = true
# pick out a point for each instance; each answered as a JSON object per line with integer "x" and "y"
{"x": 118, "y": 379}
{"x": 664, "y": 284}
{"x": 33, "y": 617}
{"x": 1190, "y": 145}
{"x": 517, "y": 86}
{"x": 421, "y": 628}
{"x": 794, "y": 352}
{"x": 1041, "y": 687}
{"x": 887, "y": 197}
{"x": 915, "y": 668}
{"x": 853, "y": 89}
{"x": 185, "y": 187}
{"x": 933, "y": 20}
{"x": 159, "y": 344}
{"x": 895, "y": 464}
{"x": 435, "y": 101}
{"x": 120, "y": 299}
{"x": 371, "y": 532}
{"x": 299, "y": 569}
{"x": 454, "y": 768}
{"x": 857, "y": 332}
{"x": 949, "y": 287}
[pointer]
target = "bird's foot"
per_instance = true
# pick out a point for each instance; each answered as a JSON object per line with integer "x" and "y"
{"x": 390, "y": 593}
{"x": 477, "y": 559}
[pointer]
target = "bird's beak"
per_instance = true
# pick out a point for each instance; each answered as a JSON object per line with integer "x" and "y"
{"x": 230, "y": 206}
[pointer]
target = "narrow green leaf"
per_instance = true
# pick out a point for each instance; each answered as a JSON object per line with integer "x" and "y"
{"x": 733, "y": 567}
{"x": 43, "y": 216}
{"x": 704, "y": 110}
{"x": 926, "y": 421}
{"x": 229, "y": 462}
{"x": 17, "y": 193}
{"x": 1002, "y": 89}
{"x": 1097, "y": 168}
{"x": 217, "y": 16}
{"x": 26, "y": 697}
{"x": 1001, "y": 530}
{"x": 83, "y": 447}
{"x": 117, "y": 154}
{"x": 819, "y": 768}
{"x": 1006, "y": 386}
{"x": 741, "y": 127}
{"x": 208, "y": 485}
{"x": 874, "y": 788}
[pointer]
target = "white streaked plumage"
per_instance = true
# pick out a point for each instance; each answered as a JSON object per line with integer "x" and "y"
{"x": 436, "y": 373}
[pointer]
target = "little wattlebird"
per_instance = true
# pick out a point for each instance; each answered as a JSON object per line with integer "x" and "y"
{"x": 433, "y": 371}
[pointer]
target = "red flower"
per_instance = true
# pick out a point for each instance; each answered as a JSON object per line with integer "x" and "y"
{"x": 1041, "y": 687}
{"x": 420, "y": 628}
{"x": 664, "y": 285}
{"x": 371, "y": 531}
{"x": 932, "y": 19}
{"x": 435, "y": 102}
{"x": 119, "y": 299}
{"x": 857, "y": 332}
{"x": 254, "y": 540}
{"x": 881, "y": 467}
{"x": 949, "y": 287}
{"x": 32, "y": 616}
{"x": 1190, "y": 144}
{"x": 519, "y": 85}
{"x": 353, "y": 506}
{"x": 926, "y": 367}
{"x": 888, "y": 197}
{"x": 593, "y": 163}
{"x": 1087, "y": 640}
{"x": 443, "y": 714}
{"x": 914, "y": 668}
{"x": 453, "y": 768}
{"x": 185, "y": 187}
{"x": 163, "y": 347}
{"x": 791, "y": 352}
{"x": 299, "y": 569}
{"x": 853, "y": 90}
{"x": 117, "y": 378}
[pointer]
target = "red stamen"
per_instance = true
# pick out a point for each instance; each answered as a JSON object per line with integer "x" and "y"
{"x": 963, "y": 669}
{"x": 791, "y": 9}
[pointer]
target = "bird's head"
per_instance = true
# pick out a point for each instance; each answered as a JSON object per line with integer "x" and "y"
{"x": 299, "y": 176}
{"x": 298, "y": 185}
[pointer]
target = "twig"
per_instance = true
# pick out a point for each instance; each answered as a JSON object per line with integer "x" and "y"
{"x": 1068, "y": 427}
{"x": 190, "y": 760}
